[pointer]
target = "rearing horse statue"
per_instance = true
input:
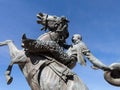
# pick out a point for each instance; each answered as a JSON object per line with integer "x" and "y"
{"x": 40, "y": 70}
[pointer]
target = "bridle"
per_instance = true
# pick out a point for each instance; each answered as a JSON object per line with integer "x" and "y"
{"x": 46, "y": 23}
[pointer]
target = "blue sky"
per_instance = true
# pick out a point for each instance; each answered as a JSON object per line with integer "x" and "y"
{"x": 98, "y": 21}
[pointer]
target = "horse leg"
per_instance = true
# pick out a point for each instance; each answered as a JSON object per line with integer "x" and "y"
{"x": 21, "y": 58}
{"x": 8, "y": 72}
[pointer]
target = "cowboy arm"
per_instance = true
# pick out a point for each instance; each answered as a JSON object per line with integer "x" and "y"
{"x": 96, "y": 62}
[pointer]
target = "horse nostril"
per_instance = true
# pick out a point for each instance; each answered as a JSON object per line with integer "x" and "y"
{"x": 39, "y": 22}
{"x": 38, "y": 16}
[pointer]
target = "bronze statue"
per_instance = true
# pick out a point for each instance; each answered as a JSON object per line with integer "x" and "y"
{"x": 44, "y": 60}
{"x": 41, "y": 69}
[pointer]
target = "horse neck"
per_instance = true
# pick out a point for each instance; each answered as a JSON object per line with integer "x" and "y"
{"x": 49, "y": 36}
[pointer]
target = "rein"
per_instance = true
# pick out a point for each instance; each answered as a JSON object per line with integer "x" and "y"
{"x": 46, "y": 22}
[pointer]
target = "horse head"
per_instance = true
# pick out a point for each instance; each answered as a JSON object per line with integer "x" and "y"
{"x": 50, "y": 22}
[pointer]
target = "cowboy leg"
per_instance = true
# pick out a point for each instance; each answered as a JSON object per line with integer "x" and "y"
{"x": 51, "y": 47}
{"x": 37, "y": 46}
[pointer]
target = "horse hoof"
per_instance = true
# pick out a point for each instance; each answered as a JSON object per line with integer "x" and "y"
{"x": 9, "y": 80}
{"x": 113, "y": 77}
